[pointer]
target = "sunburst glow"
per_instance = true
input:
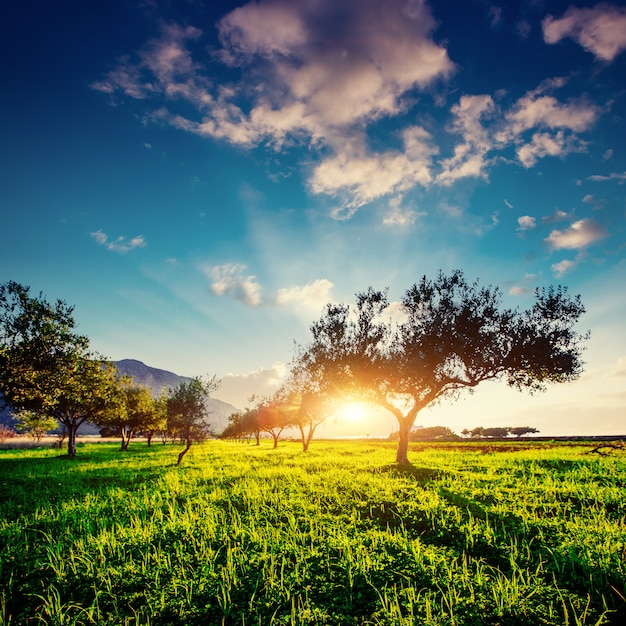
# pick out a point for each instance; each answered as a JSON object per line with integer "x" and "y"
{"x": 352, "y": 411}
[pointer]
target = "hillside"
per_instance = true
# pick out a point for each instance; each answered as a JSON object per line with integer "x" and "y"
{"x": 158, "y": 379}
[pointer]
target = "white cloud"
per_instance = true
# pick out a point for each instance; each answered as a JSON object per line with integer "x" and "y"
{"x": 620, "y": 367}
{"x": 621, "y": 177}
{"x": 519, "y": 290}
{"x": 306, "y": 77}
{"x": 563, "y": 267}
{"x": 237, "y": 389}
{"x": 398, "y": 216}
{"x": 231, "y": 280}
{"x": 601, "y": 29}
{"x": 314, "y": 295}
{"x": 526, "y": 222}
{"x": 580, "y": 235}
{"x": 121, "y": 244}
{"x": 558, "y": 216}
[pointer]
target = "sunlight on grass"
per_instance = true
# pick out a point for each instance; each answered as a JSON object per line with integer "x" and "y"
{"x": 245, "y": 534}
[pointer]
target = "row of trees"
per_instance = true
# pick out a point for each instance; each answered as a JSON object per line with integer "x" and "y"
{"x": 447, "y": 336}
{"x": 444, "y": 433}
{"x": 49, "y": 375}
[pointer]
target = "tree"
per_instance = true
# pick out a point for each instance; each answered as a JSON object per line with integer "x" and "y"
{"x": 520, "y": 431}
{"x": 45, "y": 366}
{"x": 273, "y": 416}
{"x": 35, "y": 424}
{"x": 132, "y": 409}
{"x": 244, "y": 424}
{"x": 311, "y": 396}
{"x": 156, "y": 422}
{"x": 432, "y": 432}
{"x": 454, "y": 336}
{"x": 187, "y": 412}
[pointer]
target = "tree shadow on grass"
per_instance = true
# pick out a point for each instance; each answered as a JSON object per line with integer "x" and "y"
{"x": 421, "y": 475}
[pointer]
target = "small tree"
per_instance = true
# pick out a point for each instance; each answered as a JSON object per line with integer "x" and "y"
{"x": 520, "y": 431}
{"x": 35, "y": 424}
{"x": 131, "y": 410}
{"x": 273, "y": 416}
{"x": 455, "y": 335}
{"x": 432, "y": 432}
{"x": 187, "y": 411}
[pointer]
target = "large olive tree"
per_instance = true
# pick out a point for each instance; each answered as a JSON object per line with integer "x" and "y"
{"x": 446, "y": 336}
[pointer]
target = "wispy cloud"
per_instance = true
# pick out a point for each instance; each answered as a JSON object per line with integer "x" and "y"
{"x": 579, "y": 235}
{"x": 122, "y": 245}
{"x": 621, "y": 177}
{"x": 231, "y": 280}
{"x": 601, "y": 30}
{"x": 563, "y": 267}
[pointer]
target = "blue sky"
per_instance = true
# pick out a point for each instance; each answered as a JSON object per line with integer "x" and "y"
{"x": 199, "y": 178}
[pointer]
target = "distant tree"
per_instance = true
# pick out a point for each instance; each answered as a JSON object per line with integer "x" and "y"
{"x": 496, "y": 432}
{"x": 520, "y": 431}
{"x": 187, "y": 411}
{"x": 476, "y": 432}
{"x": 243, "y": 425}
{"x": 131, "y": 410}
{"x": 466, "y": 433}
{"x": 455, "y": 335}
{"x": 45, "y": 366}
{"x": 35, "y": 424}
{"x": 310, "y": 395}
{"x": 273, "y": 416}
{"x": 6, "y": 432}
{"x": 157, "y": 420}
{"x": 432, "y": 432}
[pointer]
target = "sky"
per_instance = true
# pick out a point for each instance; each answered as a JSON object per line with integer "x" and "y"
{"x": 198, "y": 179}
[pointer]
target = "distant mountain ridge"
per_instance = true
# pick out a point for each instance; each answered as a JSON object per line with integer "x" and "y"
{"x": 157, "y": 379}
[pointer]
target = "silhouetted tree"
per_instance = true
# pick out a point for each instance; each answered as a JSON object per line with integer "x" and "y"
{"x": 273, "y": 416}
{"x": 187, "y": 412}
{"x": 520, "y": 431}
{"x": 454, "y": 336}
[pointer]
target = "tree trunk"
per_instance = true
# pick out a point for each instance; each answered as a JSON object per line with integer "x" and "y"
{"x": 275, "y": 440}
{"x": 402, "y": 455}
{"x": 72, "y": 428}
{"x": 150, "y": 435}
{"x": 257, "y": 436}
{"x": 182, "y": 454}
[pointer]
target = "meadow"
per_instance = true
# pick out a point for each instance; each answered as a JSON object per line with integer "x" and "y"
{"x": 518, "y": 533}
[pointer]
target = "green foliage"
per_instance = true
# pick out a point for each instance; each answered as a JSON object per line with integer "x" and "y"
{"x": 337, "y": 536}
{"x": 35, "y": 424}
{"x": 187, "y": 412}
{"x": 45, "y": 366}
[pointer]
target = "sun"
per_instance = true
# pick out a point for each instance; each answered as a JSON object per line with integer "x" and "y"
{"x": 352, "y": 411}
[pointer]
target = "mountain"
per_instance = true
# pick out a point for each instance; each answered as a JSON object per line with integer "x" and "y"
{"x": 157, "y": 379}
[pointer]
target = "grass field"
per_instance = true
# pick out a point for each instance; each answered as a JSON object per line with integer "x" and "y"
{"x": 243, "y": 535}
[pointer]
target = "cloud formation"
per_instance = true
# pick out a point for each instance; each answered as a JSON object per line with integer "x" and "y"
{"x": 233, "y": 280}
{"x": 314, "y": 295}
{"x": 121, "y": 244}
{"x": 322, "y": 74}
{"x": 230, "y": 279}
{"x": 600, "y": 30}
{"x": 579, "y": 235}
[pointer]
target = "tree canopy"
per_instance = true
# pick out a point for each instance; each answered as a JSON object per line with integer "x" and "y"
{"x": 45, "y": 366}
{"x": 445, "y": 336}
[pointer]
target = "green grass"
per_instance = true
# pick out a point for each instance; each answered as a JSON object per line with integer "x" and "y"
{"x": 248, "y": 535}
